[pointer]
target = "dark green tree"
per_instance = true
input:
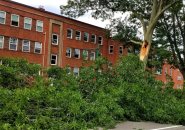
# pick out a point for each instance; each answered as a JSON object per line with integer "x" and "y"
{"x": 170, "y": 37}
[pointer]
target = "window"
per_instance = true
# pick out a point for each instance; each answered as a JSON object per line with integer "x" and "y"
{"x": 86, "y": 36}
{"x": 77, "y": 53}
{"x": 39, "y": 26}
{"x": 26, "y": 46}
{"x": 69, "y": 33}
{"x": 38, "y": 47}
{"x": 13, "y": 42}
{"x": 27, "y": 23}
{"x": 1, "y": 41}
{"x": 121, "y": 50}
{"x": 53, "y": 59}
{"x": 2, "y": 17}
{"x": 85, "y": 54}
{"x": 54, "y": 39}
{"x": 165, "y": 70}
{"x": 92, "y": 56}
{"x": 76, "y": 71}
{"x": 171, "y": 71}
{"x": 68, "y": 52}
{"x": 93, "y": 38}
{"x": 100, "y": 40}
{"x": 78, "y": 35}
{"x": 68, "y": 70}
{"x": 179, "y": 86}
{"x": 15, "y": 20}
{"x": 111, "y": 49}
{"x": 179, "y": 77}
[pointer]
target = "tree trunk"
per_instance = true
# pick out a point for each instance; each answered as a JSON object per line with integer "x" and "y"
{"x": 145, "y": 48}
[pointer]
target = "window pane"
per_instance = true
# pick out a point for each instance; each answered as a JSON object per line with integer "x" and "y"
{"x": 38, "y": 47}
{"x": 85, "y": 54}
{"x": 2, "y": 14}
{"x": 55, "y": 39}
{"x": 69, "y": 33}
{"x": 1, "y": 41}
{"x": 86, "y": 37}
{"x": 68, "y": 52}
{"x": 13, "y": 43}
{"x": 53, "y": 59}
{"x": 15, "y": 18}
{"x": 77, "y": 53}
{"x": 26, "y": 46}
{"x": 76, "y": 71}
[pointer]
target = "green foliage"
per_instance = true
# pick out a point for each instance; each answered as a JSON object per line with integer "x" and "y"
{"x": 94, "y": 99}
{"x": 17, "y": 73}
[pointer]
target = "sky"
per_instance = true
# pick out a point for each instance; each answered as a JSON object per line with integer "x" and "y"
{"x": 54, "y": 6}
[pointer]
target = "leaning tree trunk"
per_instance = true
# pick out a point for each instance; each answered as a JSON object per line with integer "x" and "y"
{"x": 145, "y": 48}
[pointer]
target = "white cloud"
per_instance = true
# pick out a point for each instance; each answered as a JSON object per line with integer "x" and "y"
{"x": 54, "y": 6}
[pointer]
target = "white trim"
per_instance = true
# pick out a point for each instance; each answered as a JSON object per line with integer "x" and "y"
{"x": 79, "y": 53}
{"x": 170, "y": 127}
{"x": 2, "y": 42}
{"x": 121, "y": 48}
{"x": 24, "y": 45}
{"x": 28, "y": 23}
{"x": 71, "y": 36}
{"x": 15, "y": 21}
{"x": 57, "y": 39}
{"x": 94, "y": 38}
{"x": 39, "y": 48}
{"x": 94, "y": 56}
{"x": 78, "y": 38}
{"x": 70, "y": 52}
{"x": 53, "y": 59}
{"x": 13, "y": 43}
{"x": 39, "y": 26}
{"x": 4, "y": 17}
{"x": 112, "y": 49}
{"x": 78, "y": 70}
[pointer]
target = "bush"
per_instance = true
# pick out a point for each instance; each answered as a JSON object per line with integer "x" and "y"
{"x": 17, "y": 73}
{"x": 93, "y": 99}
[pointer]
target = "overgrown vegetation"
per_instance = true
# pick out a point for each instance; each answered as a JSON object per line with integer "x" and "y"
{"x": 93, "y": 99}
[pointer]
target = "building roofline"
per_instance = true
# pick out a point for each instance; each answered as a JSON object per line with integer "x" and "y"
{"x": 45, "y": 11}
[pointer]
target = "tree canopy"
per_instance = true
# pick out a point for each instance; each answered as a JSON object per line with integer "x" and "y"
{"x": 147, "y": 12}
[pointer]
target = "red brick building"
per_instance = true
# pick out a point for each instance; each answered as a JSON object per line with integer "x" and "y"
{"x": 48, "y": 39}
{"x": 169, "y": 71}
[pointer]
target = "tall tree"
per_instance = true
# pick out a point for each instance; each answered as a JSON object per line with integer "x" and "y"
{"x": 170, "y": 35}
{"x": 147, "y": 12}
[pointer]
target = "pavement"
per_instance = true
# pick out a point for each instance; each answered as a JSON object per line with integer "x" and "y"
{"x": 128, "y": 125}
{"x": 146, "y": 126}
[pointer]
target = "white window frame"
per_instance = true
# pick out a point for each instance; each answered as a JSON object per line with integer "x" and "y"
{"x": 2, "y": 42}
{"x": 68, "y": 69}
{"x": 38, "y": 48}
{"x": 53, "y": 59}
{"x": 70, "y": 52}
{"x": 100, "y": 42}
{"x": 71, "y": 33}
{"x": 27, "y": 23}
{"x": 94, "y": 38}
{"x": 23, "y": 45}
{"x": 111, "y": 49}
{"x": 87, "y": 37}
{"x": 15, "y": 21}
{"x": 94, "y": 56}
{"x": 78, "y": 71}
{"x": 56, "y": 39}
{"x": 3, "y": 17}
{"x": 179, "y": 77}
{"x": 13, "y": 43}
{"x": 87, "y": 57}
{"x": 77, "y": 37}
{"x": 121, "y": 50}
{"x": 78, "y": 54}
{"x": 37, "y": 26}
